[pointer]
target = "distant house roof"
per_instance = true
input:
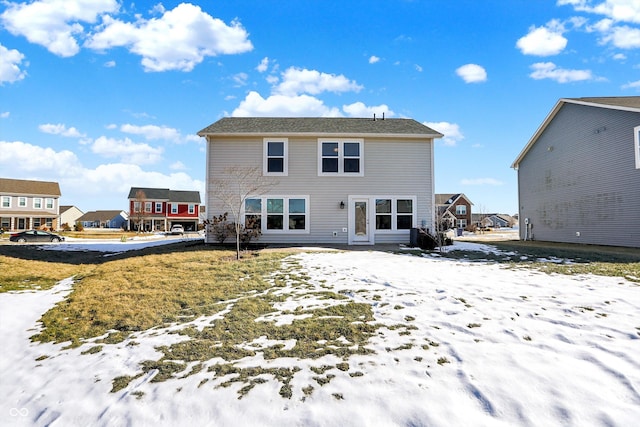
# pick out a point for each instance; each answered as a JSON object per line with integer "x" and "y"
{"x": 20, "y": 186}
{"x": 447, "y": 199}
{"x": 100, "y": 215}
{"x": 319, "y": 126}
{"x": 622, "y": 103}
{"x": 165, "y": 194}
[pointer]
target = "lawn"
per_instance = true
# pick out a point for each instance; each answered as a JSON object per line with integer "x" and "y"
{"x": 183, "y": 331}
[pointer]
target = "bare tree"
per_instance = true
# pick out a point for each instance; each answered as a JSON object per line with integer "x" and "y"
{"x": 138, "y": 214}
{"x": 238, "y": 184}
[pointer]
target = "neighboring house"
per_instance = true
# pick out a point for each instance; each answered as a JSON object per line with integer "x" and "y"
{"x": 453, "y": 210}
{"x": 579, "y": 174}
{"x": 28, "y": 204}
{"x": 157, "y": 209}
{"x": 69, "y": 215}
{"x": 104, "y": 219}
{"x": 339, "y": 180}
{"x": 494, "y": 220}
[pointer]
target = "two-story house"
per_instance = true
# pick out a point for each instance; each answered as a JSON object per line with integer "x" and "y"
{"x": 26, "y": 204}
{"x": 339, "y": 180}
{"x": 157, "y": 209}
{"x": 579, "y": 174}
{"x": 453, "y": 210}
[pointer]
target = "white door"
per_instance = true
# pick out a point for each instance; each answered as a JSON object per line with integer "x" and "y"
{"x": 360, "y": 217}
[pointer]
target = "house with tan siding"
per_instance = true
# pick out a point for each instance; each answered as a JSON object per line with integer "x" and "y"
{"x": 350, "y": 181}
{"x": 26, "y": 204}
{"x": 579, "y": 174}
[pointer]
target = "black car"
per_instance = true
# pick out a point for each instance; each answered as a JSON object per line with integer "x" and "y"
{"x": 35, "y": 236}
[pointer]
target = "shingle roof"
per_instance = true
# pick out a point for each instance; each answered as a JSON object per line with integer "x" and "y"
{"x": 445, "y": 199}
{"x": 318, "y": 126}
{"x": 20, "y": 186}
{"x": 615, "y": 101}
{"x": 166, "y": 194}
{"x": 99, "y": 215}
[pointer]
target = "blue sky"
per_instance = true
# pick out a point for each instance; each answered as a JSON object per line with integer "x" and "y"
{"x": 103, "y": 95}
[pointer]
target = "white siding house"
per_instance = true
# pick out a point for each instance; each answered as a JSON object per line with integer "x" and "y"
{"x": 579, "y": 174}
{"x": 339, "y": 180}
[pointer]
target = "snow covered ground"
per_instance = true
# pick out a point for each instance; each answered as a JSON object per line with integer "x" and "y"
{"x": 492, "y": 346}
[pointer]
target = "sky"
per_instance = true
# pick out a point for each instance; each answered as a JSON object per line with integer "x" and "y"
{"x": 461, "y": 343}
{"x": 105, "y": 95}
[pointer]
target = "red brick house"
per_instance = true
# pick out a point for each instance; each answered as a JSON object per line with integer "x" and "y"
{"x": 453, "y": 210}
{"x": 158, "y": 209}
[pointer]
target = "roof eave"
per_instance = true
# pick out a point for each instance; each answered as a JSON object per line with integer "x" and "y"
{"x": 325, "y": 135}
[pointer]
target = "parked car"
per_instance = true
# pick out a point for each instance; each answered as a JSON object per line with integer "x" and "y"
{"x": 35, "y": 236}
{"x": 177, "y": 229}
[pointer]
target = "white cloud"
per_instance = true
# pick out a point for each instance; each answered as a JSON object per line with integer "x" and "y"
{"x": 126, "y": 150}
{"x": 110, "y": 64}
{"x": 618, "y": 10}
{"x": 179, "y": 40}
{"x": 623, "y": 37}
{"x": 451, "y": 131}
{"x": 10, "y": 61}
{"x": 153, "y": 132}
{"x": 78, "y": 183}
{"x": 264, "y": 65}
{"x": 481, "y": 181}
{"x": 359, "y": 109}
{"x": 296, "y": 81}
{"x": 632, "y": 85}
{"x": 177, "y": 166}
{"x": 472, "y": 73}
{"x": 5, "y": 115}
{"x": 373, "y": 59}
{"x": 240, "y": 79}
{"x": 54, "y": 24}
{"x": 418, "y": 68}
{"x": 549, "y": 70}
{"x": 543, "y": 41}
{"x": 283, "y": 106}
{"x": 60, "y": 129}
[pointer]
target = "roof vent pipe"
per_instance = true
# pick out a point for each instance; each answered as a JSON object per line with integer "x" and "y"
{"x": 374, "y": 117}
{"x": 383, "y": 115}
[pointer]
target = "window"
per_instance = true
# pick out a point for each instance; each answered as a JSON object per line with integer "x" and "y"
{"x": 6, "y": 201}
{"x": 147, "y": 206}
{"x": 461, "y": 210}
{"x": 174, "y": 208}
{"x": 276, "y": 157}
{"x": 5, "y": 223}
{"x": 278, "y": 214}
{"x": 192, "y": 209}
{"x": 37, "y": 202}
{"x": 49, "y": 222}
{"x": 462, "y": 223}
{"x": 158, "y": 207}
{"x": 636, "y": 139}
{"x": 22, "y": 202}
{"x": 136, "y": 207}
{"x": 340, "y": 157}
{"x": 48, "y": 203}
{"x": 395, "y": 213}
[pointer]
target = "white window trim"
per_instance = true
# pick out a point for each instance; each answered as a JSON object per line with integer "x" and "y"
{"x": 265, "y": 157}
{"x": 636, "y": 140}
{"x": 394, "y": 213}
{"x": 174, "y": 208}
{"x": 150, "y": 205}
{"x": 263, "y": 214}
{"x": 158, "y": 207}
{"x": 2, "y": 199}
{"x": 46, "y": 203}
{"x": 341, "y": 172}
{"x": 34, "y": 203}
{"x": 461, "y": 206}
{"x": 192, "y": 209}
{"x": 22, "y": 202}
{"x": 137, "y": 207}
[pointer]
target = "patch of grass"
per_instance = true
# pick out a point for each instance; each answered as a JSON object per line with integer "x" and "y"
{"x": 442, "y": 361}
{"x": 93, "y": 350}
{"x": 24, "y": 274}
{"x": 473, "y": 325}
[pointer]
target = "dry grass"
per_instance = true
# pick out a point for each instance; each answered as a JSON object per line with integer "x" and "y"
{"x": 19, "y": 274}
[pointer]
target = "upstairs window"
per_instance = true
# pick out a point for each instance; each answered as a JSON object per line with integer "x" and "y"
{"x": 174, "y": 208}
{"x": 6, "y": 201}
{"x": 147, "y": 206}
{"x": 136, "y": 207}
{"x": 48, "y": 203}
{"x": 276, "y": 153}
{"x": 192, "y": 209}
{"x": 340, "y": 157}
{"x": 37, "y": 202}
{"x": 158, "y": 207}
{"x": 461, "y": 210}
{"x": 22, "y": 202}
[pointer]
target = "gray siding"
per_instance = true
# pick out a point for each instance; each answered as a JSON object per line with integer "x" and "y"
{"x": 391, "y": 168}
{"x": 578, "y": 183}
